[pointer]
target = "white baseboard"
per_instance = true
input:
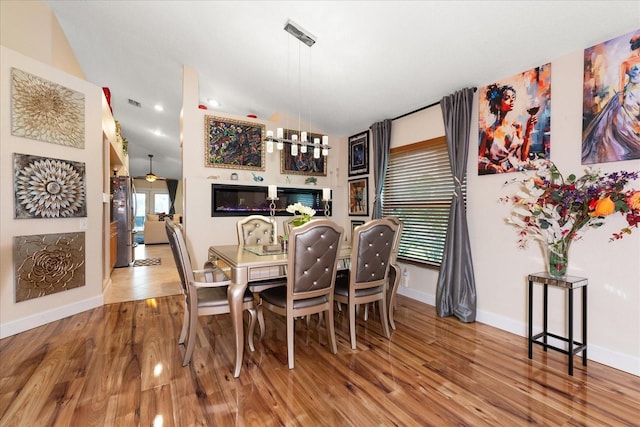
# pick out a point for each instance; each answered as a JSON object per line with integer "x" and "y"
{"x": 605, "y": 356}
{"x": 15, "y": 327}
{"x": 418, "y": 296}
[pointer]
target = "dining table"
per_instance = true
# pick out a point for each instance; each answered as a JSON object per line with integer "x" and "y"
{"x": 246, "y": 265}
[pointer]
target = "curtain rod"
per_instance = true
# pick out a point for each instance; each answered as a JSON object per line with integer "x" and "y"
{"x": 433, "y": 104}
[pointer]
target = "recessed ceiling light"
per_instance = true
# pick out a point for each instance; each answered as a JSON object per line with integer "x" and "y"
{"x": 158, "y": 107}
{"x": 213, "y": 102}
{"x": 157, "y": 132}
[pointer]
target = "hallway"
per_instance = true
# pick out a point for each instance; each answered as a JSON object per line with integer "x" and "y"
{"x": 137, "y": 283}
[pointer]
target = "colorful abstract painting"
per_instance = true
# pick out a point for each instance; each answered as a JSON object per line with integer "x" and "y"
{"x": 48, "y": 188}
{"x": 45, "y": 264}
{"x": 46, "y": 111}
{"x": 611, "y": 100}
{"x": 515, "y": 122}
{"x": 303, "y": 163}
{"x": 233, "y": 144}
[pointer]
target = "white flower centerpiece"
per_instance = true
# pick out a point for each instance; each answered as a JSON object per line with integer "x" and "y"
{"x": 303, "y": 213}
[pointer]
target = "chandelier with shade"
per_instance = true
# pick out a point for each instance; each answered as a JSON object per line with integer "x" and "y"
{"x": 151, "y": 177}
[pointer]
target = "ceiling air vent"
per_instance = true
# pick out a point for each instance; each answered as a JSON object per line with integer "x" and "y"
{"x": 135, "y": 103}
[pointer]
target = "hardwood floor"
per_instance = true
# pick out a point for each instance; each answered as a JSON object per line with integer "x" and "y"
{"x": 134, "y": 283}
{"x": 120, "y": 365}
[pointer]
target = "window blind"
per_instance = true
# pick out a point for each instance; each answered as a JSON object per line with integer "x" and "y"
{"x": 418, "y": 189}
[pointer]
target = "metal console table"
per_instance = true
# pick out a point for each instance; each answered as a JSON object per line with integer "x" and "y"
{"x": 568, "y": 283}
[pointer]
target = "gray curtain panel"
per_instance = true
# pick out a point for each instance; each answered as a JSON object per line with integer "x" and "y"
{"x": 172, "y": 186}
{"x": 456, "y": 290}
{"x": 381, "y": 139}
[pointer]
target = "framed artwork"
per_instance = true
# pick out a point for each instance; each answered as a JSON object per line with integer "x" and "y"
{"x": 514, "y": 122}
{"x": 610, "y": 121}
{"x": 233, "y": 144}
{"x": 46, "y": 111}
{"x": 302, "y": 163}
{"x": 354, "y": 224}
{"x": 358, "y": 197}
{"x": 45, "y": 264}
{"x": 48, "y": 188}
{"x": 359, "y": 154}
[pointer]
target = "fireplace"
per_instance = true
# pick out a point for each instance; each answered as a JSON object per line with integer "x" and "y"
{"x": 243, "y": 200}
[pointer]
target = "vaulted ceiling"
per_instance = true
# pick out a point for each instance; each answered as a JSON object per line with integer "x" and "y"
{"x": 372, "y": 59}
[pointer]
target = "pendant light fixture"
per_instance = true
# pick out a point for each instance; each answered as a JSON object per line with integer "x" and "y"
{"x": 151, "y": 177}
{"x": 302, "y": 143}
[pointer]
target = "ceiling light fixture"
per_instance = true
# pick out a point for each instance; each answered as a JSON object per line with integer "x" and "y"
{"x": 158, "y": 107}
{"x": 151, "y": 177}
{"x": 213, "y": 102}
{"x": 308, "y": 39}
{"x": 300, "y": 33}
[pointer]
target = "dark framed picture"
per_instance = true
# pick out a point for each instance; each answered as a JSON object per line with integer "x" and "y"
{"x": 359, "y": 197}
{"x": 233, "y": 144}
{"x": 302, "y": 163}
{"x": 354, "y": 224}
{"x": 359, "y": 154}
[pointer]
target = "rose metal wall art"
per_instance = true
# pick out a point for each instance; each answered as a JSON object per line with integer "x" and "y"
{"x": 48, "y": 263}
{"x": 48, "y": 188}
{"x": 46, "y": 111}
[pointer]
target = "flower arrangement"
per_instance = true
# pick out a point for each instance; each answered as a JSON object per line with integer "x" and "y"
{"x": 553, "y": 210}
{"x": 303, "y": 212}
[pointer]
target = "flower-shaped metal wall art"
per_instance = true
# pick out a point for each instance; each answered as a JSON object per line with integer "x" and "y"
{"x": 48, "y": 188}
{"x": 48, "y": 263}
{"x": 46, "y": 111}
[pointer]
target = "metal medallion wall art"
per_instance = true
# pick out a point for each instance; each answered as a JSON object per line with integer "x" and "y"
{"x": 45, "y": 264}
{"x": 48, "y": 188}
{"x": 46, "y": 111}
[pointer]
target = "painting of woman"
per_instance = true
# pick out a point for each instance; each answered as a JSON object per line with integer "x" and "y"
{"x": 507, "y": 125}
{"x": 612, "y": 133}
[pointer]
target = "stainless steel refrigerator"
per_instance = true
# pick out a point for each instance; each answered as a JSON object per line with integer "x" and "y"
{"x": 122, "y": 212}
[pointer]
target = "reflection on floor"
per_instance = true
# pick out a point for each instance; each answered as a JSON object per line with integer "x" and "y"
{"x": 136, "y": 283}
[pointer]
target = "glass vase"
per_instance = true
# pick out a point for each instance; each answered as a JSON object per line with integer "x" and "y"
{"x": 301, "y": 220}
{"x": 558, "y": 258}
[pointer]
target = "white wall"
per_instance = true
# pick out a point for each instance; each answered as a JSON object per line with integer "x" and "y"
{"x": 33, "y": 41}
{"x": 613, "y": 269}
{"x": 16, "y": 317}
{"x": 31, "y": 28}
{"x": 201, "y": 229}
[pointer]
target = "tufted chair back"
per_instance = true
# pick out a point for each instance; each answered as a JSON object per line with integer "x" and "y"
{"x": 394, "y": 272}
{"x": 366, "y": 282}
{"x": 287, "y": 224}
{"x": 373, "y": 246}
{"x": 396, "y": 244}
{"x": 312, "y": 262}
{"x": 313, "y": 257}
{"x": 256, "y": 230}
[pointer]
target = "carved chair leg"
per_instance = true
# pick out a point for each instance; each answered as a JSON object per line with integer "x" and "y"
{"x": 261, "y": 321}
{"x": 252, "y": 327}
{"x": 290, "y": 335}
{"x": 185, "y": 323}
